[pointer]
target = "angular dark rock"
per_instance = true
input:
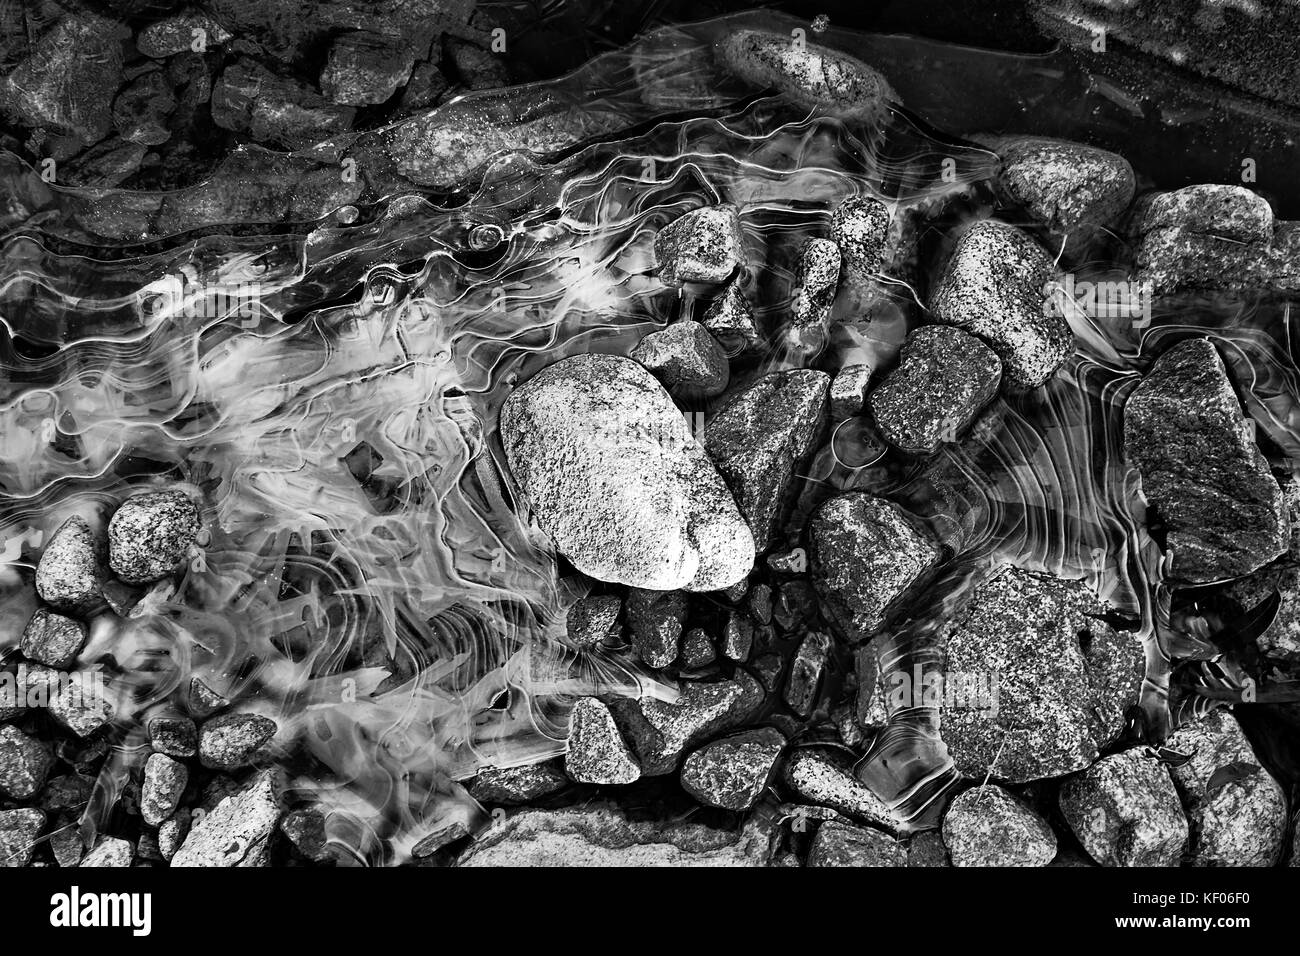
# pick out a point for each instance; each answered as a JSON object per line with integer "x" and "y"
{"x": 180, "y": 32}
{"x": 19, "y": 830}
{"x": 150, "y": 534}
{"x": 660, "y": 731}
{"x": 806, "y": 670}
{"x": 697, "y": 649}
{"x": 365, "y": 69}
{"x": 174, "y": 736}
{"x": 203, "y": 700}
{"x": 1125, "y": 811}
{"x": 597, "y": 752}
{"x": 704, "y": 245}
{"x": 943, "y": 379}
{"x": 686, "y": 358}
{"x": 758, "y": 437}
{"x": 732, "y": 772}
{"x": 52, "y": 639}
{"x": 988, "y": 826}
{"x": 591, "y": 619}
{"x": 513, "y": 786}
{"x": 593, "y": 423}
{"x": 866, "y": 555}
{"x": 1185, "y": 432}
{"x": 655, "y": 619}
{"x": 738, "y": 637}
{"x": 251, "y": 100}
{"x": 843, "y": 844}
{"x": 235, "y": 740}
{"x": 142, "y": 107}
{"x": 995, "y": 287}
{"x": 730, "y": 319}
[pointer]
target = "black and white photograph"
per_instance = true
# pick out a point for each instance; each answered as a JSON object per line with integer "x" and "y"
{"x": 445, "y": 436}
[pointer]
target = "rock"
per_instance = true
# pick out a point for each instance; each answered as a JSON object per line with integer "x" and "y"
{"x": 860, "y": 227}
{"x": 68, "y": 791}
{"x": 142, "y": 108}
{"x": 172, "y": 833}
{"x": 110, "y": 852}
{"x": 180, "y": 32}
{"x": 79, "y": 700}
{"x": 174, "y": 736}
{"x": 365, "y": 69}
{"x": 760, "y": 603}
{"x": 943, "y": 379}
{"x": 251, "y": 100}
{"x": 1074, "y": 190}
{"x": 612, "y": 473}
{"x": 234, "y": 740}
{"x": 686, "y": 358}
{"x": 1212, "y": 238}
{"x": 1279, "y": 642}
{"x": 866, "y": 555}
{"x": 150, "y": 534}
{"x": 842, "y": 844}
{"x": 165, "y": 780}
{"x": 204, "y": 701}
{"x": 1201, "y": 471}
{"x": 601, "y": 835}
{"x": 306, "y": 830}
{"x": 738, "y": 637}
{"x": 806, "y": 673}
{"x": 760, "y": 434}
{"x": 426, "y": 88}
{"x": 995, "y": 287}
{"x": 848, "y": 391}
{"x": 809, "y": 74}
{"x": 52, "y": 639}
{"x": 824, "y": 776}
{"x": 987, "y": 826}
{"x": 655, "y": 619}
{"x": 660, "y": 732}
{"x": 733, "y": 772}
{"x": 704, "y": 245}
{"x": 477, "y": 68}
{"x": 818, "y": 281}
{"x": 106, "y": 164}
{"x": 597, "y": 752}
{"x": 1052, "y": 680}
{"x": 237, "y": 831}
{"x": 1236, "y": 811}
{"x": 67, "y": 82}
{"x": 19, "y": 830}
{"x": 731, "y": 320}
{"x": 926, "y": 849}
{"x": 512, "y": 786}
{"x": 69, "y": 574}
{"x": 1125, "y": 811}
{"x": 697, "y": 649}
{"x": 592, "y": 619}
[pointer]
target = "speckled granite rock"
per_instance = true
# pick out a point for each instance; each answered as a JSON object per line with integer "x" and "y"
{"x": 164, "y": 782}
{"x": 1073, "y": 189}
{"x": 364, "y": 69}
{"x": 660, "y": 732}
{"x": 597, "y": 752}
{"x": 594, "y": 423}
{"x": 150, "y": 534}
{"x": 926, "y": 849}
{"x": 79, "y": 700}
{"x": 732, "y": 772}
{"x": 697, "y": 649}
{"x": 987, "y": 826}
{"x": 19, "y": 830}
{"x": 866, "y": 554}
{"x": 686, "y": 358}
{"x": 1125, "y": 811}
{"x": 69, "y": 573}
{"x": 1279, "y": 642}
{"x": 758, "y": 437}
{"x": 655, "y": 619}
{"x": 848, "y": 392}
{"x": 110, "y": 852}
{"x": 234, "y": 740}
{"x": 512, "y": 786}
{"x": 843, "y": 844}
{"x": 237, "y": 831}
{"x": 730, "y": 319}
{"x": 1185, "y": 432}
{"x": 944, "y": 377}
{"x": 175, "y": 736}
{"x": 52, "y": 639}
{"x": 814, "y": 293}
{"x": 704, "y": 245}
{"x": 1236, "y": 811}
{"x": 806, "y": 669}
{"x": 995, "y": 287}
{"x": 601, "y": 835}
{"x": 1062, "y": 677}
{"x": 860, "y": 227}
{"x": 591, "y": 619}
{"x": 824, "y": 776}
{"x": 811, "y": 75}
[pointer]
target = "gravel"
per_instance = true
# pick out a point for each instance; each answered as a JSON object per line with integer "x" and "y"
{"x": 512, "y": 786}
{"x": 848, "y": 391}
{"x": 655, "y": 619}
{"x": 732, "y": 772}
{"x": 988, "y": 826}
{"x": 174, "y": 736}
{"x": 1125, "y": 811}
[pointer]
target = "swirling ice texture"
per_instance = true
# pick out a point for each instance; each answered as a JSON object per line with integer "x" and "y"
{"x": 331, "y": 391}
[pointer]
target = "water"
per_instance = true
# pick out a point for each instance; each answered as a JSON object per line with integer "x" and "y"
{"x": 329, "y": 389}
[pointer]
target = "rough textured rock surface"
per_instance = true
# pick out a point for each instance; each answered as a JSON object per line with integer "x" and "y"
{"x": 660, "y": 732}
{"x": 365, "y": 69}
{"x": 52, "y": 639}
{"x": 848, "y": 391}
{"x": 944, "y": 377}
{"x": 236, "y": 832}
{"x": 591, "y": 619}
{"x": 655, "y": 619}
{"x": 704, "y": 245}
{"x": 758, "y": 437}
{"x": 518, "y": 785}
{"x": 1185, "y": 431}
{"x": 843, "y": 844}
{"x": 730, "y": 318}
{"x": 69, "y": 574}
{"x": 234, "y": 740}
{"x": 612, "y": 473}
{"x": 1125, "y": 811}
{"x": 732, "y": 772}
{"x": 686, "y": 358}
{"x": 1279, "y": 642}
{"x": 806, "y": 669}
{"x": 866, "y": 554}
{"x": 824, "y": 776}
{"x": 597, "y": 752}
{"x": 811, "y": 75}
{"x": 164, "y": 782}
{"x": 19, "y": 830}
{"x": 251, "y": 100}
{"x": 994, "y": 287}
{"x": 150, "y": 534}
{"x": 1073, "y": 189}
{"x": 987, "y": 826}
{"x": 601, "y": 835}
{"x": 1236, "y": 810}
{"x": 1064, "y": 678}
{"x": 860, "y": 227}
{"x": 110, "y": 852}
{"x": 817, "y": 282}
{"x": 174, "y": 736}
